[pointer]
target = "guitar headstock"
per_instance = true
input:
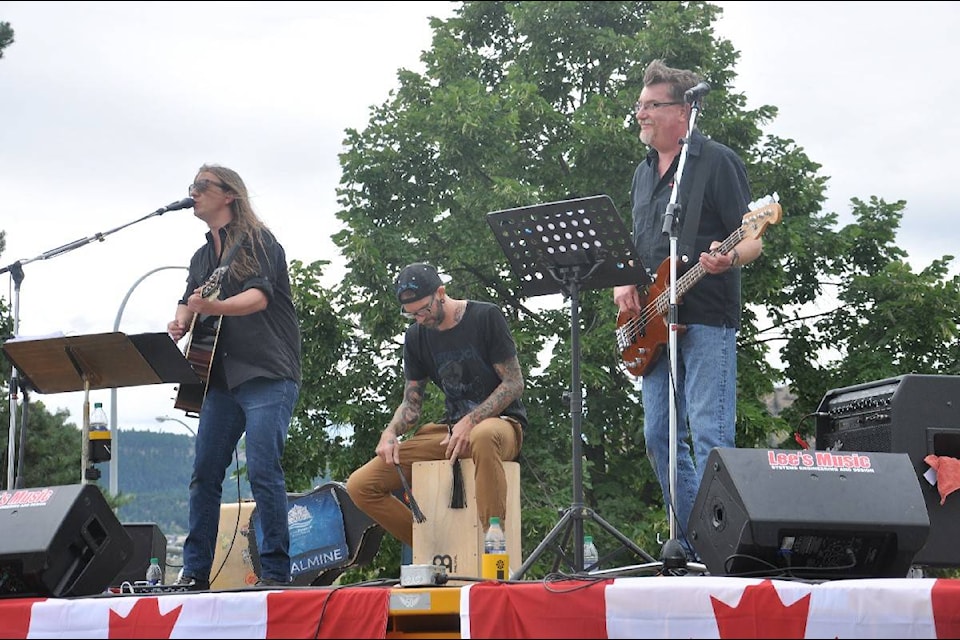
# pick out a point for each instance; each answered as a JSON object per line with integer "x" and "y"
{"x": 763, "y": 212}
{"x": 211, "y": 287}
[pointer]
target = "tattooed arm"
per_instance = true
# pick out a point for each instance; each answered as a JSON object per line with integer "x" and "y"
{"x": 404, "y": 418}
{"x": 509, "y": 389}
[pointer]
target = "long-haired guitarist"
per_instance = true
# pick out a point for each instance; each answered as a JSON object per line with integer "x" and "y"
{"x": 245, "y": 346}
{"x": 709, "y": 313}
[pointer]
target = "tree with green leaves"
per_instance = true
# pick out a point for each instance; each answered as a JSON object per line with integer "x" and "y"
{"x": 6, "y": 36}
{"x": 51, "y": 455}
{"x": 523, "y": 103}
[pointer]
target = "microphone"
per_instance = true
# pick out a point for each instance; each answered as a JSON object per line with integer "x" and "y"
{"x": 174, "y": 206}
{"x": 695, "y": 93}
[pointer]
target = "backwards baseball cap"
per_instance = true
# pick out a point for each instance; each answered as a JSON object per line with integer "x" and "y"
{"x": 416, "y": 281}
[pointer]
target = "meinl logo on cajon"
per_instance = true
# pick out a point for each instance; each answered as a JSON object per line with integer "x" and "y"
{"x": 495, "y": 566}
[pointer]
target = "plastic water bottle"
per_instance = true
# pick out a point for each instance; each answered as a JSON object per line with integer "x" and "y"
{"x": 98, "y": 418}
{"x": 154, "y": 572}
{"x": 495, "y": 541}
{"x": 496, "y": 562}
{"x": 590, "y": 554}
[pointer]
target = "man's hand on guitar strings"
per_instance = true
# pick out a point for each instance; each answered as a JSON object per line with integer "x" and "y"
{"x": 715, "y": 262}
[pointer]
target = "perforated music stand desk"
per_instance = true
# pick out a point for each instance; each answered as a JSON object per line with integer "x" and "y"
{"x": 566, "y": 246}
{"x": 583, "y": 241}
{"x": 98, "y": 361}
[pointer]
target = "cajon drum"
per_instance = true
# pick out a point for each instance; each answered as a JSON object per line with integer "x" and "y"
{"x": 453, "y": 538}
{"x": 232, "y": 561}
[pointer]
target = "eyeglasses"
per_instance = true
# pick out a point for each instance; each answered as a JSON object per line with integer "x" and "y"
{"x": 421, "y": 312}
{"x": 202, "y": 185}
{"x": 650, "y": 106}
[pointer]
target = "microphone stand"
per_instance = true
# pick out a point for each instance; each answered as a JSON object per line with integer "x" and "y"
{"x": 16, "y": 272}
{"x": 672, "y": 553}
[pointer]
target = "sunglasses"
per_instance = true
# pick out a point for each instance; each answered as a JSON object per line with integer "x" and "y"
{"x": 202, "y": 185}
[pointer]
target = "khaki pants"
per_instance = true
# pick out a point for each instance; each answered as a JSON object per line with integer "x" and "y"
{"x": 372, "y": 486}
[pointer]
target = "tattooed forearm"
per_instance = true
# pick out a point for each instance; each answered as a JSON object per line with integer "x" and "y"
{"x": 408, "y": 413}
{"x": 509, "y": 389}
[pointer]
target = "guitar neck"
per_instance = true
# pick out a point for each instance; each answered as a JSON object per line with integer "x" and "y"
{"x": 695, "y": 273}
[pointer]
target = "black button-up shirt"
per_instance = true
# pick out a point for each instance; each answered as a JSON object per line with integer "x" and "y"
{"x": 715, "y": 299}
{"x": 262, "y": 344}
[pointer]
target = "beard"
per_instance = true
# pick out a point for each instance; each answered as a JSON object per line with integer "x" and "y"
{"x": 436, "y": 319}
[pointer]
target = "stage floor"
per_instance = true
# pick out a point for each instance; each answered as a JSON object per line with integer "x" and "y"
{"x": 632, "y": 607}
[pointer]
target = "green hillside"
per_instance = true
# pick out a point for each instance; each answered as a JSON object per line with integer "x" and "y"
{"x": 153, "y": 473}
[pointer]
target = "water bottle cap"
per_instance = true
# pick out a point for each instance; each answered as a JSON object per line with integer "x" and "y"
{"x": 494, "y": 520}
{"x": 587, "y": 539}
{"x": 154, "y": 561}
{"x": 97, "y": 405}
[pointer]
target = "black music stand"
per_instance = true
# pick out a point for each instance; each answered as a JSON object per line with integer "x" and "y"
{"x": 97, "y": 361}
{"x": 565, "y": 246}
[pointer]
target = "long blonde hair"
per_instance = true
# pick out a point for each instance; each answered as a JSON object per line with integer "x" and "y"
{"x": 246, "y": 228}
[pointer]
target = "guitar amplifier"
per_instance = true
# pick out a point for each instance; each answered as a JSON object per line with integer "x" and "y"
{"x": 916, "y": 414}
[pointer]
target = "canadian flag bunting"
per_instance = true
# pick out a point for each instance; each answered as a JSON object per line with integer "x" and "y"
{"x": 633, "y": 607}
{"x": 353, "y": 612}
{"x": 713, "y": 607}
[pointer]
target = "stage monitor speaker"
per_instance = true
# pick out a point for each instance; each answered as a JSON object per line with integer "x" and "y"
{"x": 148, "y": 542}
{"x": 59, "y": 542}
{"x": 808, "y": 514}
{"x": 916, "y": 414}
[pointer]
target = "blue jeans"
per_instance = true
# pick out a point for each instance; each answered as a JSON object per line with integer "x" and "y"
{"x": 706, "y": 404}
{"x": 261, "y": 408}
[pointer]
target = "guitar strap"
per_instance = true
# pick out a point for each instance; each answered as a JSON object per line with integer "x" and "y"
{"x": 230, "y": 255}
{"x": 691, "y": 213}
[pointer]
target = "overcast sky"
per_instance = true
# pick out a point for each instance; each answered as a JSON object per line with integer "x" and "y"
{"x": 107, "y": 109}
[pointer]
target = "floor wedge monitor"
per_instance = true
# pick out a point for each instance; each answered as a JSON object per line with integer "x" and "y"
{"x": 59, "y": 542}
{"x": 808, "y": 514}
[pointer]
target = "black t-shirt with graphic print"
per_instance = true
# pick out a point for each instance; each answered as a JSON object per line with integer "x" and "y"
{"x": 460, "y": 360}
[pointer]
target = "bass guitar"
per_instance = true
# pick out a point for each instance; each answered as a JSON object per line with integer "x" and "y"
{"x": 204, "y": 331}
{"x": 641, "y": 337}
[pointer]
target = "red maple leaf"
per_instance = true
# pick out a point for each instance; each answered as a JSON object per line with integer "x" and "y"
{"x": 761, "y": 614}
{"x": 143, "y": 621}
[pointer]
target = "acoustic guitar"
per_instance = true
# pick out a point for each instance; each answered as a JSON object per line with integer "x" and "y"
{"x": 642, "y": 337}
{"x": 204, "y": 331}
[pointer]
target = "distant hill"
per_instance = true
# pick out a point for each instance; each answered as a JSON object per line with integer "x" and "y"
{"x": 153, "y": 470}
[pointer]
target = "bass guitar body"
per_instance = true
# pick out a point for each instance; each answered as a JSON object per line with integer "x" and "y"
{"x": 642, "y": 337}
